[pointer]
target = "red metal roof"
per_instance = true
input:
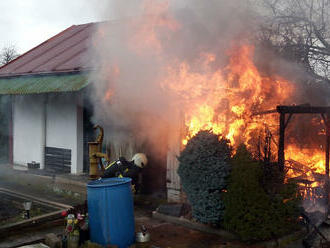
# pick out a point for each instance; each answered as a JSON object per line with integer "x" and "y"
{"x": 64, "y": 52}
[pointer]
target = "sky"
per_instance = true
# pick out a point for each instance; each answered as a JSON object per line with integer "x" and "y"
{"x": 27, "y": 23}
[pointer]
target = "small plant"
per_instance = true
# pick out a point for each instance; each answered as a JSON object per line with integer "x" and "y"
{"x": 203, "y": 169}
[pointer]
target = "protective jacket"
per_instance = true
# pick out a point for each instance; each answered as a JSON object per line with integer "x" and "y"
{"x": 123, "y": 168}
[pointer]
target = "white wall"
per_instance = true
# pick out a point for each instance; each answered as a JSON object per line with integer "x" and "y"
{"x": 80, "y": 134}
{"x": 64, "y": 127}
{"x": 53, "y": 120}
{"x": 28, "y": 122}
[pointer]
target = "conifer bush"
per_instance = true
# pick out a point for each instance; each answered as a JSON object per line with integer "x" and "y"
{"x": 253, "y": 213}
{"x": 203, "y": 169}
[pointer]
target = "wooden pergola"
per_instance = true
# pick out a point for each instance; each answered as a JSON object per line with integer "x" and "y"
{"x": 305, "y": 109}
{"x": 302, "y": 109}
{"x": 286, "y": 113}
{"x": 284, "y": 121}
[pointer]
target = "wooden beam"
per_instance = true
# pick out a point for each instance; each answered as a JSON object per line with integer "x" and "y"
{"x": 302, "y": 109}
{"x": 287, "y": 121}
{"x": 327, "y": 147}
{"x": 265, "y": 112}
{"x": 280, "y": 156}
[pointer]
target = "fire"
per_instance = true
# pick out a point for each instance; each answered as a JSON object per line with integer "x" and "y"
{"x": 307, "y": 166}
{"x": 108, "y": 95}
{"x": 217, "y": 92}
{"x": 156, "y": 16}
{"x": 113, "y": 73}
{"x": 312, "y": 158}
{"x": 224, "y": 100}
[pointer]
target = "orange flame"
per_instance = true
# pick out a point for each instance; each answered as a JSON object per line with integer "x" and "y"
{"x": 224, "y": 101}
{"x": 155, "y": 17}
{"x": 312, "y": 158}
{"x": 113, "y": 73}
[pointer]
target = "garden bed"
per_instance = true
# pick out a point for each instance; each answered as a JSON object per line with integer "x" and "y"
{"x": 12, "y": 210}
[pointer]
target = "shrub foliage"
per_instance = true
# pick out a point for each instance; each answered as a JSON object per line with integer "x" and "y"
{"x": 251, "y": 211}
{"x": 203, "y": 169}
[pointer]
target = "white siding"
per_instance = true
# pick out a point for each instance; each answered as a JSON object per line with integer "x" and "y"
{"x": 54, "y": 120}
{"x": 28, "y": 121}
{"x": 80, "y": 135}
{"x": 62, "y": 127}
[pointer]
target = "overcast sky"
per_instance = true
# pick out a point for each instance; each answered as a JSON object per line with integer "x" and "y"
{"x": 27, "y": 23}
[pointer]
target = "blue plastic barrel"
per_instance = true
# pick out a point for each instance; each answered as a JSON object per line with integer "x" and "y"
{"x": 111, "y": 212}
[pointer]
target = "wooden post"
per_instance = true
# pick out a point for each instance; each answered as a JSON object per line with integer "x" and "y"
{"x": 327, "y": 146}
{"x": 327, "y": 124}
{"x": 281, "y": 142}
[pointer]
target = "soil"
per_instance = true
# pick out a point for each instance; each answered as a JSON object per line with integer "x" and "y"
{"x": 12, "y": 210}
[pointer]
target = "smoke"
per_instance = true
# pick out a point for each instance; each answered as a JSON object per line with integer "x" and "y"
{"x": 142, "y": 44}
{"x": 133, "y": 53}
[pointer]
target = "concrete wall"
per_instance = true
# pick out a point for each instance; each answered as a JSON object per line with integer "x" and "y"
{"x": 28, "y": 122}
{"x": 53, "y": 120}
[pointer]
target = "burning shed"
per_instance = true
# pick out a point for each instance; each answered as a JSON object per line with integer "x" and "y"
{"x": 216, "y": 83}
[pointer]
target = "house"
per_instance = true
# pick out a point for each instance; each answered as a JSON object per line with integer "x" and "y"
{"x": 48, "y": 119}
{"x": 50, "y": 112}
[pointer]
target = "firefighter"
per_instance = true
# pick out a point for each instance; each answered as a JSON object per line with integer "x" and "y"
{"x": 124, "y": 168}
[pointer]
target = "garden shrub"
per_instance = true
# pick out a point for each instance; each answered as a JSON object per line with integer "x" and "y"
{"x": 203, "y": 169}
{"x": 251, "y": 212}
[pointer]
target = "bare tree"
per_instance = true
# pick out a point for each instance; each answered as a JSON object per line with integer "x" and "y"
{"x": 300, "y": 31}
{"x": 7, "y": 54}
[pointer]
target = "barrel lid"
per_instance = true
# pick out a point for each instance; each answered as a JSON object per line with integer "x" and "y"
{"x": 106, "y": 182}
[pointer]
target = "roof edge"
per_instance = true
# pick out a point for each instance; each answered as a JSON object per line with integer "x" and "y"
{"x": 40, "y": 84}
{"x": 51, "y": 38}
{"x": 82, "y": 71}
{"x": 36, "y": 47}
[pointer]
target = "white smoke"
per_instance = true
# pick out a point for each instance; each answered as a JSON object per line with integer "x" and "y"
{"x": 134, "y": 52}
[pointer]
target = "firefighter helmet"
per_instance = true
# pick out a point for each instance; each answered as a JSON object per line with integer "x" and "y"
{"x": 140, "y": 160}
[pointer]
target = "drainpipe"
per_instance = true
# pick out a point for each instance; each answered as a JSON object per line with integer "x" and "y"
{"x": 43, "y": 130}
